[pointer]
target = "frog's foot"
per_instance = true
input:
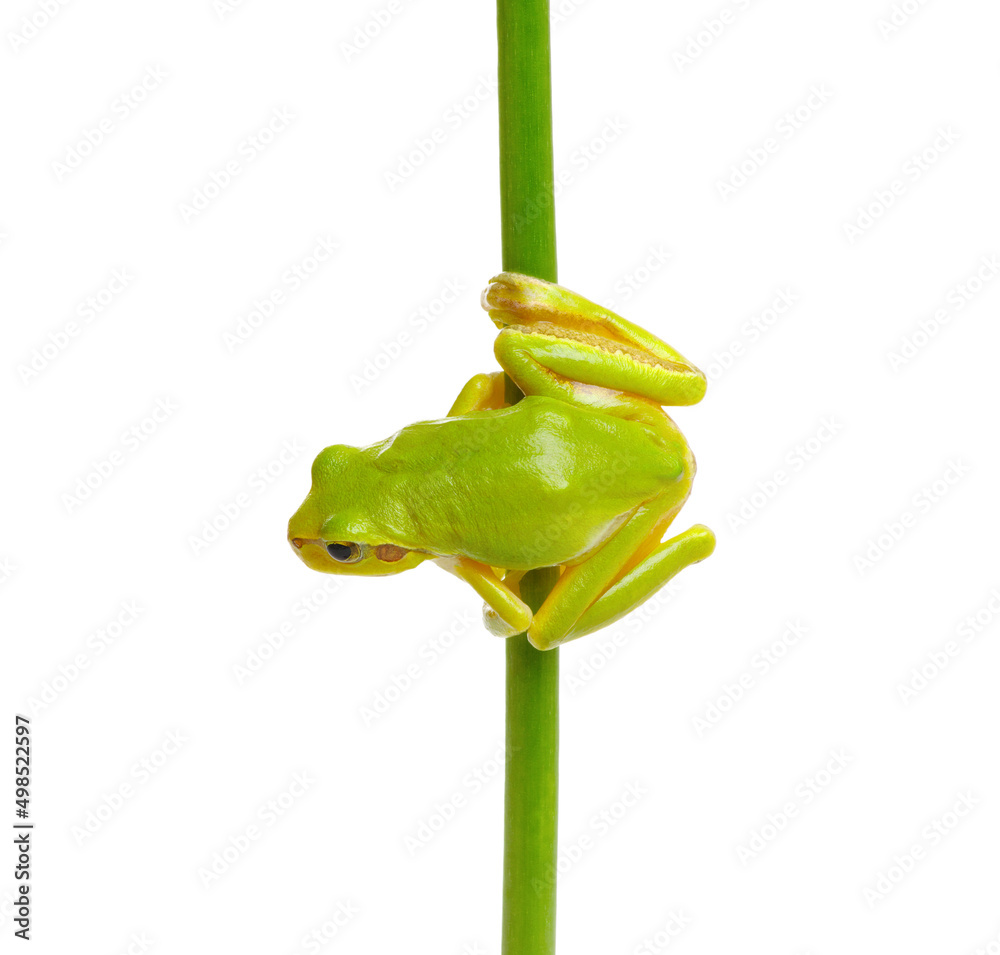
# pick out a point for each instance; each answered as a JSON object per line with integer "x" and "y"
{"x": 493, "y": 621}
{"x": 505, "y": 613}
{"x": 554, "y": 342}
{"x": 497, "y": 626}
{"x": 627, "y": 570}
{"x": 481, "y": 393}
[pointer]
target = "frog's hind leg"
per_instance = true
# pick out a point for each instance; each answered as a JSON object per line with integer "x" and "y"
{"x": 627, "y": 570}
{"x": 557, "y": 343}
{"x": 481, "y": 393}
{"x": 645, "y": 578}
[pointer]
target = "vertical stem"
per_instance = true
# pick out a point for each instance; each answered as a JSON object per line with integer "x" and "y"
{"x": 527, "y": 210}
{"x": 527, "y": 202}
{"x": 531, "y": 796}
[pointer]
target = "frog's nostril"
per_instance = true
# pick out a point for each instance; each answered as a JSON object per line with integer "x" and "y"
{"x": 297, "y": 541}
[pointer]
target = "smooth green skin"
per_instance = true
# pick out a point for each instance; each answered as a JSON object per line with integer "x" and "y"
{"x": 585, "y": 473}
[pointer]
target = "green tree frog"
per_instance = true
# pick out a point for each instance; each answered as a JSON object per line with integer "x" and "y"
{"x": 585, "y": 473}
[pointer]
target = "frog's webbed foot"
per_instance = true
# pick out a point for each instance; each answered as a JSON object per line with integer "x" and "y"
{"x": 554, "y": 342}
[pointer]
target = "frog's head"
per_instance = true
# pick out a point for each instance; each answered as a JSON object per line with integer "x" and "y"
{"x": 333, "y": 530}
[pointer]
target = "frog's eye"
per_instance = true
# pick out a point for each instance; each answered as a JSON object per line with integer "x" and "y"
{"x": 344, "y": 553}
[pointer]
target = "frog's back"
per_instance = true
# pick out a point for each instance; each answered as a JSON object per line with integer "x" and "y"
{"x": 539, "y": 483}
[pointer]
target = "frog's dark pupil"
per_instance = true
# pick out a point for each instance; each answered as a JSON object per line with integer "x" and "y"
{"x": 340, "y": 552}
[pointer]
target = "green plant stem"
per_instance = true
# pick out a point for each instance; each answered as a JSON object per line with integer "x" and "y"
{"x": 527, "y": 211}
{"x": 531, "y": 795}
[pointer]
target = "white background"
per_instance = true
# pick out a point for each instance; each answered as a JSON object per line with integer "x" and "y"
{"x": 643, "y": 139}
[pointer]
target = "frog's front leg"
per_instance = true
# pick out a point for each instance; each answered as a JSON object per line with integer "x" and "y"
{"x": 507, "y": 614}
{"x": 481, "y": 393}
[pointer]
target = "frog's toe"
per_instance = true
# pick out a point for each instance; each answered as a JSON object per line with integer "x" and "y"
{"x": 511, "y": 297}
{"x": 497, "y": 300}
{"x": 496, "y": 625}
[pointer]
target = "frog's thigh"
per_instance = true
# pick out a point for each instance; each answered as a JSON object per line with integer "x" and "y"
{"x": 481, "y": 393}
{"x": 513, "y": 615}
{"x": 645, "y": 578}
{"x": 582, "y": 584}
{"x": 568, "y": 364}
